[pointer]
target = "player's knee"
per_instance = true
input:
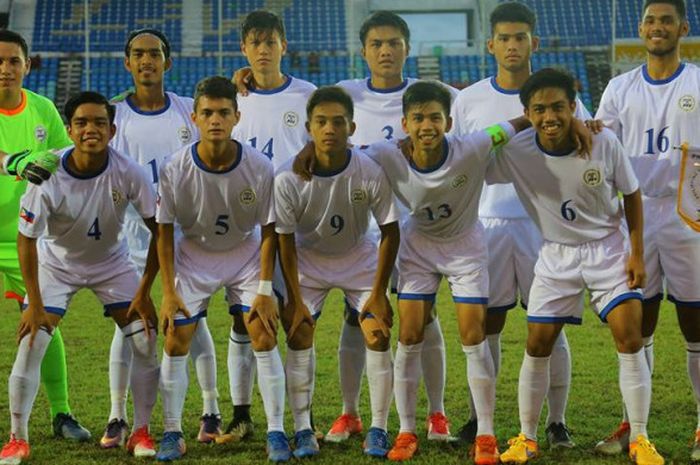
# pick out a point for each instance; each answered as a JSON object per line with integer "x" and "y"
{"x": 539, "y": 347}
{"x": 410, "y": 336}
{"x": 495, "y": 322}
{"x": 176, "y": 344}
{"x": 262, "y": 341}
{"x": 629, "y": 343}
{"x": 303, "y": 338}
{"x": 472, "y": 336}
{"x": 377, "y": 342}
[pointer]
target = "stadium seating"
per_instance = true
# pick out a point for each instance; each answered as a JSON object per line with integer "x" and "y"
{"x": 43, "y": 80}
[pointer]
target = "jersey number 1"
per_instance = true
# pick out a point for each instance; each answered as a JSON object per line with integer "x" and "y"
{"x": 661, "y": 144}
{"x": 267, "y": 149}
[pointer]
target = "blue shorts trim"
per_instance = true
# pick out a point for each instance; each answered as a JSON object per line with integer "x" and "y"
{"x": 394, "y": 290}
{"x": 238, "y": 308}
{"x": 657, "y": 298}
{"x": 501, "y": 308}
{"x": 617, "y": 301}
{"x": 53, "y": 310}
{"x": 684, "y": 303}
{"x": 572, "y": 320}
{"x": 189, "y": 321}
{"x": 424, "y": 297}
{"x": 471, "y": 300}
{"x": 116, "y": 305}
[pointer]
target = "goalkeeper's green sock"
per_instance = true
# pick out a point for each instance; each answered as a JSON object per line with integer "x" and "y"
{"x": 54, "y": 375}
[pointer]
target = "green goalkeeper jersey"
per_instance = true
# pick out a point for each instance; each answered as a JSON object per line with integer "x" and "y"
{"x": 35, "y": 125}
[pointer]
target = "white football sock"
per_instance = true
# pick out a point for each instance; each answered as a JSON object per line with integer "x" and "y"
{"x": 635, "y": 385}
{"x": 204, "y": 360}
{"x": 380, "y": 374}
{"x": 648, "y": 343}
{"x": 241, "y": 368}
{"x": 300, "y": 370}
{"x": 494, "y": 342}
{"x": 433, "y": 361}
{"x": 24, "y": 381}
{"x": 119, "y": 371}
{"x": 146, "y": 370}
{"x": 559, "y": 380}
{"x": 271, "y": 385}
{"x": 532, "y": 389}
{"x": 694, "y": 372}
{"x": 351, "y": 364}
{"x": 482, "y": 384}
{"x": 174, "y": 380}
{"x": 407, "y": 370}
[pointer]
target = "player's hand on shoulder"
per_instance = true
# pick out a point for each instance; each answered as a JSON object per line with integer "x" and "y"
{"x": 242, "y": 79}
{"x": 595, "y": 125}
{"x": 264, "y": 308}
{"x": 303, "y": 165}
{"x": 36, "y": 166}
{"x": 300, "y": 314}
{"x": 636, "y": 273}
{"x": 172, "y": 304}
{"x": 33, "y": 318}
{"x": 142, "y": 305}
{"x": 406, "y": 147}
{"x": 583, "y": 136}
{"x": 378, "y": 309}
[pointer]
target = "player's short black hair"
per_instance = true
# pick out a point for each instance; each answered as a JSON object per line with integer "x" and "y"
{"x": 215, "y": 87}
{"x": 513, "y": 12}
{"x": 678, "y": 4}
{"x": 165, "y": 43}
{"x": 384, "y": 18}
{"x": 14, "y": 38}
{"x": 88, "y": 96}
{"x": 544, "y": 78}
{"x": 423, "y": 92}
{"x": 262, "y": 21}
{"x": 330, "y": 94}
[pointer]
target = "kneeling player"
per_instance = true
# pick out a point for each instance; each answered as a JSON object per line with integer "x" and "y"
{"x": 324, "y": 244}
{"x": 78, "y": 215}
{"x": 219, "y": 192}
{"x": 575, "y": 204}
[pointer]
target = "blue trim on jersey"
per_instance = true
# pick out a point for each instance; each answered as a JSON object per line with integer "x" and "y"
{"x": 189, "y": 321}
{"x": 445, "y": 152}
{"x": 64, "y": 162}
{"x": 238, "y": 308}
{"x": 116, "y": 305}
{"x": 501, "y": 308}
{"x": 572, "y": 320}
{"x": 660, "y": 82}
{"x": 410, "y": 296}
{"x": 617, "y": 301}
{"x": 200, "y": 164}
{"x": 471, "y": 300}
{"x": 501, "y": 90}
{"x": 148, "y": 113}
{"x": 401, "y": 86}
{"x": 328, "y": 174}
{"x": 275, "y": 90}
{"x": 552, "y": 154}
{"x": 684, "y": 303}
{"x": 656, "y": 298}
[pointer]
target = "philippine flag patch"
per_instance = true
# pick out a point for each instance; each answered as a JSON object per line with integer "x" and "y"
{"x": 26, "y": 215}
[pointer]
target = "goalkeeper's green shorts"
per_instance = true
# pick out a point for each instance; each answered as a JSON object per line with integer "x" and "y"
{"x": 11, "y": 274}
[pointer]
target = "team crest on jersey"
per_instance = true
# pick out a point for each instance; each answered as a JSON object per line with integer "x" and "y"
{"x": 184, "y": 134}
{"x": 247, "y": 196}
{"x": 40, "y": 133}
{"x": 592, "y": 177}
{"x": 459, "y": 181}
{"x": 117, "y": 197}
{"x": 291, "y": 119}
{"x": 358, "y": 196}
{"x": 687, "y": 103}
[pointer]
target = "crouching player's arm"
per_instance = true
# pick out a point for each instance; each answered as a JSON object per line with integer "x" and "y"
{"x": 172, "y": 302}
{"x": 34, "y": 317}
{"x": 264, "y": 307}
{"x": 636, "y": 274}
{"x": 295, "y": 312}
{"x": 142, "y": 303}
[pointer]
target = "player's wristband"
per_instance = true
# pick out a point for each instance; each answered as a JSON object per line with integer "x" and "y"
{"x": 265, "y": 288}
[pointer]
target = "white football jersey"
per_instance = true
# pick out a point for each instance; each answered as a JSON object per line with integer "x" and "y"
{"x": 330, "y": 214}
{"x": 651, "y": 118}
{"x": 79, "y": 218}
{"x": 149, "y": 137}
{"x": 216, "y": 210}
{"x": 572, "y": 200}
{"x": 478, "y": 106}
{"x": 378, "y": 112}
{"x": 442, "y": 202}
{"x": 274, "y": 121}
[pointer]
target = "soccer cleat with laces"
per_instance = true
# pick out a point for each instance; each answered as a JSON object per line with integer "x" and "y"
{"x": 520, "y": 451}
{"x": 617, "y": 443}
{"x": 172, "y": 447}
{"x": 115, "y": 434}
{"x": 485, "y": 450}
{"x": 558, "y": 435}
{"x": 376, "y": 443}
{"x": 238, "y": 430}
{"x": 695, "y": 453}
{"x": 141, "y": 444}
{"x": 343, "y": 427}
{"x": 278, "y": 447}
{"x": 643, "y": 452}
{"x": 467, "y": 433}
{"x": 14, "y": 452}
{"x": 405, "y": 447}
{"x": 67, "y": 427}
{"x": 438, "y": 427}
{"x": 209, "y": 428}
{"x": 305, "y": 444}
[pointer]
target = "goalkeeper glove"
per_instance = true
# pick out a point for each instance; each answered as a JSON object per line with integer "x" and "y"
{"x": 35, "y": 167}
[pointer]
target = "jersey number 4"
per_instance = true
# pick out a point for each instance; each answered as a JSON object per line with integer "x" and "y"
{"x": 94, "y": 230}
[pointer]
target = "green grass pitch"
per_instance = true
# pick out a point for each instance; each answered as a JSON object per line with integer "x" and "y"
{"x": 594, "y": 402}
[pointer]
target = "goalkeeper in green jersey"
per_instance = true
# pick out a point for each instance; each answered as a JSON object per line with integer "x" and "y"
{"x": 30, "y": 126}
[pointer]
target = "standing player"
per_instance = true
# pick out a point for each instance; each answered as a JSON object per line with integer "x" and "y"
{"x": 575, "y": 204}
{"x": 77, "y": 218}
{"x": 512, "y": 237}
{"x": 273, "y": 117}
{"x": 29, "y": 121}
{"x": 653, "y": 109}
{"x": 152, "y": 124}
{"x": 218, "y": 192}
